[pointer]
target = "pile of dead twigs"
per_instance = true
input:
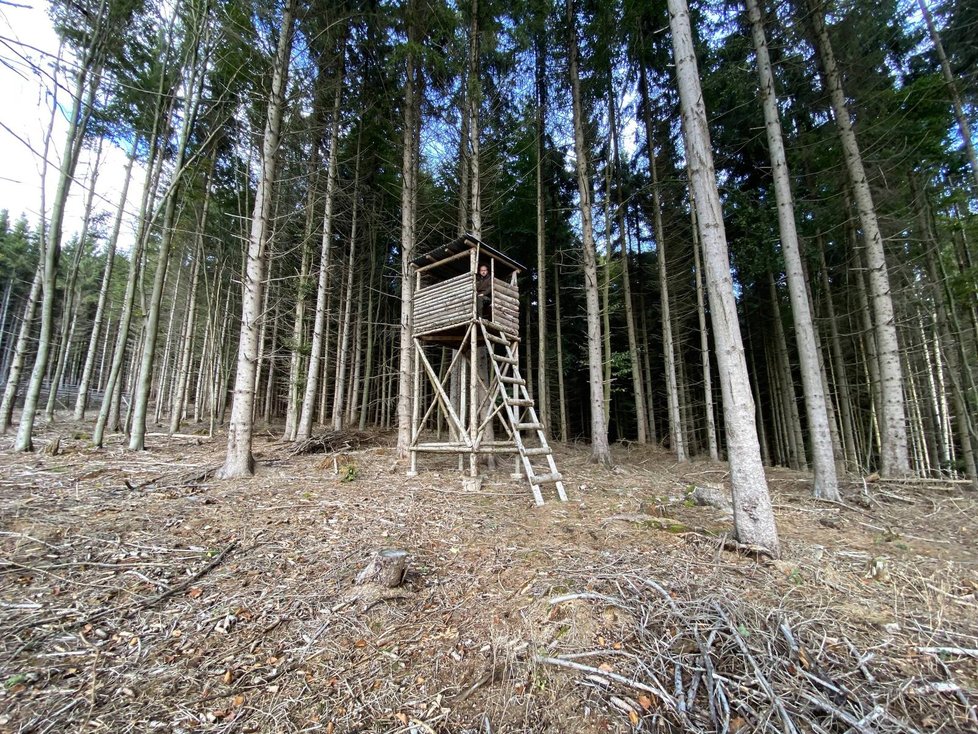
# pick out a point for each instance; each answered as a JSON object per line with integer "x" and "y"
{"x": 333, "y": 442}
{"x": 712, "y": 665}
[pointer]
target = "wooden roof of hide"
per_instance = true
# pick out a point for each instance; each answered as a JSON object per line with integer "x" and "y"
{"x": 466, "y": 242}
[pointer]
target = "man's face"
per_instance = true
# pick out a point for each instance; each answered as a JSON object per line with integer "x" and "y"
{"x": 483, "y": 271}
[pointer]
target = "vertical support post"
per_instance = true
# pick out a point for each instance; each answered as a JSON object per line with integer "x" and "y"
{"x": 463, "y": 398}
{"x": 473, "y": 373}
{"x": 415, "y": 409}
{"x": 473, "y": 401}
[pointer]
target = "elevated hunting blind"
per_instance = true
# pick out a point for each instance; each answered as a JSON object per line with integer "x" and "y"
{"x": 479, "y": 386}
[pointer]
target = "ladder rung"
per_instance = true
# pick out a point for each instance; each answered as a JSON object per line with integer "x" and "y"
{"x": 529, "y": 426}
{"x": 498, "y": 339}
{"x": 504, "y": 358}
{"x": 522, "y": 402}
{"x": 544, "y": 478}
{"x": 512, "y": 380}
{"x": 539, "y": 451}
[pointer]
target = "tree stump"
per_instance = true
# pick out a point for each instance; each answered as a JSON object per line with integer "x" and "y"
{"x": 386, "y": 568}
{"x": 711, "y": 497}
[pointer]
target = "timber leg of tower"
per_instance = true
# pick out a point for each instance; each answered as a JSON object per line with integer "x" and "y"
{"x": 473, "y": 402}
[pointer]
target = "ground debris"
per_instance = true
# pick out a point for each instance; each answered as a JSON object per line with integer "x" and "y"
{"x": 333, "y": 442}
{"x": 233, "y": 606}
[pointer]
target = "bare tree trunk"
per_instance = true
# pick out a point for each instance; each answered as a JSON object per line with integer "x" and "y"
{"x": 894, "y": 459}
{"x": 109, "y": 408}
{"x": 346, "y": 326}
{"x": 543, "y": 384}
{"x": 69, "y": 313}
{"x": 269, "y": 287}
{"x": 151, "y": 330}
{"x": 179, "y": 398}
{"x": 353, "y": 400}
{"x": 605, "y": 307}
{"x": 644, "y": 348}
{"x": 638, "y": 388}
{"x": 409, "y": 171}
{"x": 81, "y": 401}
{"x": 83, "y": 102}
{"x": 676, "y": 432}
{"x": 759, "y": 419}
{"x": 711, "y": 426}
{"x": 20, "y": 352}
{"x": 373, "y": 317}
{"x": 162, "y": 385}
{"x": 868, "y": 341}
{"x": 952, "y": 87}
{"x": 953, "y": 350}
{"x": 561, "y": 394}
{"x": 786, "y": 384}
{"x": 239, "y": 461}
{"x": 850, "y": 445}
{"x": 219, "y": 392}
{"x": 267, "y": 409}
{"x": 753, "y": 514}
{"x": 304, "y": 429}
{"x": 473, "y": 98}
{"x": 179, "y": 403}
{"x": 826, "y": 482}
{"x": 600, "y": 451}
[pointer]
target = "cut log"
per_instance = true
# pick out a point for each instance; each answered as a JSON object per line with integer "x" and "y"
{"x": 386, "y": 568}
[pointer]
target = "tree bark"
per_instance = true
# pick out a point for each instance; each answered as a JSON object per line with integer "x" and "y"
{"x": 561, "y": 394}
{"x": 600, "y": 451}
{"x": 952, "y": 88}
{"x": 20, "y": 352}
{"x": 179, "y": 397}
{"x": 711, "y": 425}
{"x": 81, "y": 401}
{"x": 409, "y": 172}
{"x": 894, "y": 459}
{"x": 826, "y": 484}
{"x": 83, "y": 102}
{"x": 638, "y": 388}
{"x": 304, "y": 429}
{"x": 676, "y": 432}
{"x": 144, "y": 382}
{"x": 344, "y": 341}
{"x": 239, "y": 461}
{"x": 543, "y": 384}
{"x": 753, "y": 514}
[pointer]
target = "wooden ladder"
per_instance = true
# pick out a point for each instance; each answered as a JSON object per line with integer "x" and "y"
{"x": 521, "y": 415}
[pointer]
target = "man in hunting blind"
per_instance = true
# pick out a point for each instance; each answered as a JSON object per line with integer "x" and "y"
{"x": 483, "y": 292}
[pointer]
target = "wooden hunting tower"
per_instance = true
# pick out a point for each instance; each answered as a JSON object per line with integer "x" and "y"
{"x": 481, "y": 386}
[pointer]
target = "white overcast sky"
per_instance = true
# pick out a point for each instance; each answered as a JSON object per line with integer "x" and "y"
{"x": 27, "y": 42}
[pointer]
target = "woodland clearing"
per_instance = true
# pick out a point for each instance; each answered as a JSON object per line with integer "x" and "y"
{"x": 138, "y": 593}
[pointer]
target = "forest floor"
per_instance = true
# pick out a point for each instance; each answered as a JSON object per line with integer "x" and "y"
{"x": 140, "y": 594}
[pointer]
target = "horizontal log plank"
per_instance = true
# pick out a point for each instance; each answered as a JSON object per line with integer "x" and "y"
{"x": 502, "y": 286}
{"x": 513, "y": 303}
{"x": 447, "y": 304}
{"x": 429, "y": 326}
{"x": 454, "y": 295}
{"x": 465, "y": 280}
{"x": 443, "y": 304}
{"x": 462, "y": 449}
{"x": 501, "y": 312}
